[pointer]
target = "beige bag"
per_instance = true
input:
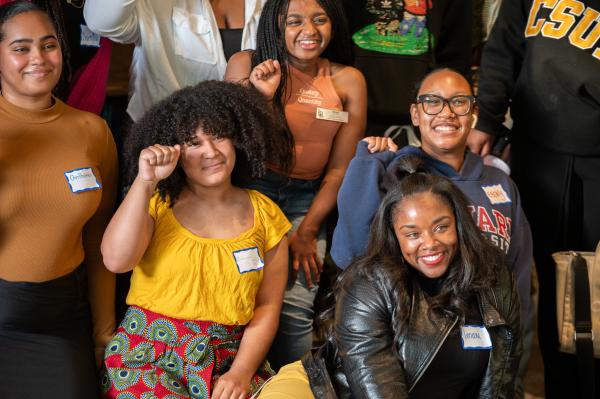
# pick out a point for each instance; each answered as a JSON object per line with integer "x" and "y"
{"x": 565, "y": 298}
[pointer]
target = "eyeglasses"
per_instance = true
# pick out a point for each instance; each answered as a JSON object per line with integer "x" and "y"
{"x": 433, "y": 104}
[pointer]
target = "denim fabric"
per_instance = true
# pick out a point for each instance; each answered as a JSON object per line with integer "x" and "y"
{"x": 294, "y": 335}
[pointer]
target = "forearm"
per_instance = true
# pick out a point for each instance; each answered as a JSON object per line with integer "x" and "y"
{"x": 129, "y": 231}
{"x": 257, "y": 340}
{"x": 324, "y": 202}
{"x": 101, "y": 294}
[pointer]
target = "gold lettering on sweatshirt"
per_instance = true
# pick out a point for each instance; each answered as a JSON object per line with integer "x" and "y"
{"x": 566, "y": 17}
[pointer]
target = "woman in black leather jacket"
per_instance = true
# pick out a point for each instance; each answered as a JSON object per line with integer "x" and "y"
{"x": 430, "y": 311}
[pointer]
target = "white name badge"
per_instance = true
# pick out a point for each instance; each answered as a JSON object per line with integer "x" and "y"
{"x": 81, "y": 180}
{"x": 475, "y": 337}
{"x": 496, "y": 194}
{"x": 89, "y": 38}
{"x": 248, "y": 260}
{"x": 332, "y": 115}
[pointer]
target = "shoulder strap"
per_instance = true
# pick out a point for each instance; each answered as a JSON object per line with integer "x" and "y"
{"x": 584, "y": 344}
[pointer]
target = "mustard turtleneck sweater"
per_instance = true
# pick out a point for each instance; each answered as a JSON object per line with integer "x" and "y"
{"x": 58, "y": 179}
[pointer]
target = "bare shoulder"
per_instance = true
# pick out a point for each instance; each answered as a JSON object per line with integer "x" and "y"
{"x": 346, "y": 73}
{"x": 347, "y": 80}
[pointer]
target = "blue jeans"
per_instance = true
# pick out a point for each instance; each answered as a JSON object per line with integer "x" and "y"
{"x": 294, "y": 335}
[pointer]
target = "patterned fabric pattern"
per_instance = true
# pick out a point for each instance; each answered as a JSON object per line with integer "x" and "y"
{"x": 157, "y": 357}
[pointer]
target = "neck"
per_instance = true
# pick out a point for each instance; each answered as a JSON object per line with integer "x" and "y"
{"x": 454, "y": 159}
{"x": 211, "y": 195}
{"x": 29, "y": 103}
{"x": 308, "y": 67}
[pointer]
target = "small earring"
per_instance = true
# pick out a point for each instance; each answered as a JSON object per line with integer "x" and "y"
{"x": 474, "y": 122}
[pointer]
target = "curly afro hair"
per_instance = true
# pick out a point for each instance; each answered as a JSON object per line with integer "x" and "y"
{"x": 220, "y": 109}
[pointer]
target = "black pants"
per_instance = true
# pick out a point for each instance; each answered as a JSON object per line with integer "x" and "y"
{"x": 560, "y": 198}
{"x": 46, "y": 348}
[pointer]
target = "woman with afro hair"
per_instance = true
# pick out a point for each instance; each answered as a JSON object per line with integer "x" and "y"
{"x": 208, "y": 258}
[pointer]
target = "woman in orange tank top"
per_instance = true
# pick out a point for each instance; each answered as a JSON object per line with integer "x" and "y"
{"x": 302, "y": 68}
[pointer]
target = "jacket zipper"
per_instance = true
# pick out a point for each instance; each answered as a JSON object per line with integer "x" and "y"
{"x": 437, "y": 349}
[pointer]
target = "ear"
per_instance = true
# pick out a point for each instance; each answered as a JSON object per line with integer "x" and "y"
{"x": 414, "y": 114}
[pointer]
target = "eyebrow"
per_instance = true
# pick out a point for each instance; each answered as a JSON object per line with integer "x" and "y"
{"x": 296, "y": 15}
{"x": 31, "y": 40}
{"x": 412, "y": 226}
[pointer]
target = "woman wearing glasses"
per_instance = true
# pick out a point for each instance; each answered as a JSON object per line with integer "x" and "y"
{"x": 444, "y": 111}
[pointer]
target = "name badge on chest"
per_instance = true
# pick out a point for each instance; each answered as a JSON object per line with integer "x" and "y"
{"x": 331, "y": 115}
{"x": 82, "y": 179}
{"x": 475, "y": 337}
{"x": 248, "y": 260}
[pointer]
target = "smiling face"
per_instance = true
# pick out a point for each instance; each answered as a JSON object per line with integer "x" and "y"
{"x": 307, "y": 30}
{"x": 425, "y": 227}
{"x": 30, "y": 59}
{"x": 209, "y": 160}
{"x": 445, "y": 133}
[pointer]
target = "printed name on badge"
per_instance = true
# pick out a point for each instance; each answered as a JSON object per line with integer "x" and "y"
{"x": 89, "y": 38}
{"x": 475, "y": 337}
{"x": 331, "y": 115}
{"x": 248, "y": 260}
{"x": 82, "y": 179}
{"x": 496, "y": 194}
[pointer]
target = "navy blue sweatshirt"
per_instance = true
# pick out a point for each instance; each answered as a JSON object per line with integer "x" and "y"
{"x": 495, "y": 206}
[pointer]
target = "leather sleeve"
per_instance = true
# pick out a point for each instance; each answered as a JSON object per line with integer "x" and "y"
{"x": 364, "y": 336}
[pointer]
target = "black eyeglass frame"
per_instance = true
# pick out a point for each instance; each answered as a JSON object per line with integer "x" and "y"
{"x": 447, "y": 101}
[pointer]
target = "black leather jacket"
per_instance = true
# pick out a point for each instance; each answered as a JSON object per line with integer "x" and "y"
{"x": 359, "y": 362}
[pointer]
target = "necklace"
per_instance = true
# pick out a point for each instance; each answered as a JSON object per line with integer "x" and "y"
{"x": 76, "y": 3}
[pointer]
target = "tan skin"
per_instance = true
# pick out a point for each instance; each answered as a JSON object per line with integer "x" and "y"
{"x": 229, "y": 13}
{"x": 30, "y": 67}
{"x": 444, "y": 136}
{"x": 211, "y": 207}
{"x": 308, "y": 32}
{"x": 30, "y": 61}
{"x": 425, "y": 227}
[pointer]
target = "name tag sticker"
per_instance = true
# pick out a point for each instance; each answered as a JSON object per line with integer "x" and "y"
{"x": 248, "y": 260}
{"x": 496, "y": 194}
{"x": 82, "y": 179}
{"x": 89, "y": 38}
{"x": 475, "y": 337}
{"x": 331, "y": 115}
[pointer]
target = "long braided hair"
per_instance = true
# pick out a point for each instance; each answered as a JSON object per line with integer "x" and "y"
{"x": 270, "y": 43}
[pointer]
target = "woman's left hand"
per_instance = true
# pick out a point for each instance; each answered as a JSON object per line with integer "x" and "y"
{"x": 303, "y": 247}
{"x": 231, "y": 385}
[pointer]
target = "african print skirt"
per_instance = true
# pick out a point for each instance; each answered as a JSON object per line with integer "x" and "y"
{"x": 155, "y": 356}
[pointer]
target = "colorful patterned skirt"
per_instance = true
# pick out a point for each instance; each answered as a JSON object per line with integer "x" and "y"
{"x": 155, "y": 356}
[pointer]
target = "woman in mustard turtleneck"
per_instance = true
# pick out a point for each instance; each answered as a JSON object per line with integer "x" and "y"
{"x": 57, "y": 189}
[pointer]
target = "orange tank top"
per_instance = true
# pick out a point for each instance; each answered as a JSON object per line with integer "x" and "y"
{"x": 313, "y": 138}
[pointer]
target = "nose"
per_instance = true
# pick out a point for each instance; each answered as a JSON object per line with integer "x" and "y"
{"x": 210, "y": 149}
{"x": 429, "y": 240}
{"x": 36, "y": 56}
{"x": 446, "y": 110}
{"x": 309, "y": 28}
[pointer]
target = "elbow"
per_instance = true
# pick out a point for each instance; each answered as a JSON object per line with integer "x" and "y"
{"x": 114, "y": 262}
{"x": 115, "y": 265}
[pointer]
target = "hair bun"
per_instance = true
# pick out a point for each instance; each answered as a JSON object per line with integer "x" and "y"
{"x": 405, "y": 166}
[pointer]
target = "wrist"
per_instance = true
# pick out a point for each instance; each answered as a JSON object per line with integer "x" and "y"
{"x": 146, "y": 185}
{"x": 307, "y": 230}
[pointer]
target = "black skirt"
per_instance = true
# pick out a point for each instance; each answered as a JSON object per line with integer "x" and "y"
{"x": 46, "y": 348}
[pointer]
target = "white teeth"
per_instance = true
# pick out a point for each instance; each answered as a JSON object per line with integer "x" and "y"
{"x": 445, "y": 128}
{"x": 432, "y": 258}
